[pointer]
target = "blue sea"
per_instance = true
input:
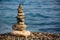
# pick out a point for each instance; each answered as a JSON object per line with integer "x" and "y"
{"x": 41, "y": 15}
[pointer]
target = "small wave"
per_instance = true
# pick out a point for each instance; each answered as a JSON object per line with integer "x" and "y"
{"x": 52, "y": 23}
{"x": 48, "y": 29}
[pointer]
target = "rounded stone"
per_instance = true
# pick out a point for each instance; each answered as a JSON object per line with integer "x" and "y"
{"x": 20, "y": 10}
{"x": 21, "y": 23}
{"x": 21, "y": 33}
{"x": 21, "y": 20}
{"x": 19, "y": 27}
{"x": 22, "y": 17}
{"x": 20, "y": 13}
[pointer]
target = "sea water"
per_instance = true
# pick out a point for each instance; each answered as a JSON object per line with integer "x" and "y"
{"x": 41, "y": 15}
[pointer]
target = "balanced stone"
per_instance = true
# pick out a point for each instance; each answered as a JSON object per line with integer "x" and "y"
{"x": 21, "y": 22}
{"x": 19, "y": 27}
{"x": 20, "y": 14}
{"x": 21, "y": 33}
{"x": 20, "y": 9}
{"x": 21, "y": 17}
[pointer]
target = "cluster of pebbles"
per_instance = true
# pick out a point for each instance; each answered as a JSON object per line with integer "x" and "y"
{"x": 33, "y": 36}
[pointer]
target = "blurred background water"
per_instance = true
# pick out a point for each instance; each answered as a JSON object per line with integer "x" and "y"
{"x": 41, "y": 15}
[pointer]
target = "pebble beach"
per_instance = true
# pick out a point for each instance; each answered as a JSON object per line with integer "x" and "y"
{"x": 33, "y": 36}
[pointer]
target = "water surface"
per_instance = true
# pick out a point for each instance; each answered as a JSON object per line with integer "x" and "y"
{"x": 41, "y": 15}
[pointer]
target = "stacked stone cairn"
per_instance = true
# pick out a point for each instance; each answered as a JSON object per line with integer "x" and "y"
{"x": 19, "y": 28}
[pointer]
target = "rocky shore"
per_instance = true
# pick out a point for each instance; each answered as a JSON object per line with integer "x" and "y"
{"x": 33, "y": 36}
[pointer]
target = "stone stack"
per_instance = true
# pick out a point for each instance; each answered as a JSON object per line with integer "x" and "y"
{"x": 19, "y": 28}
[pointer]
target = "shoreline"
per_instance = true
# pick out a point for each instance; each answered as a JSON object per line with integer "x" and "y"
{"x": 33, "y": 36}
